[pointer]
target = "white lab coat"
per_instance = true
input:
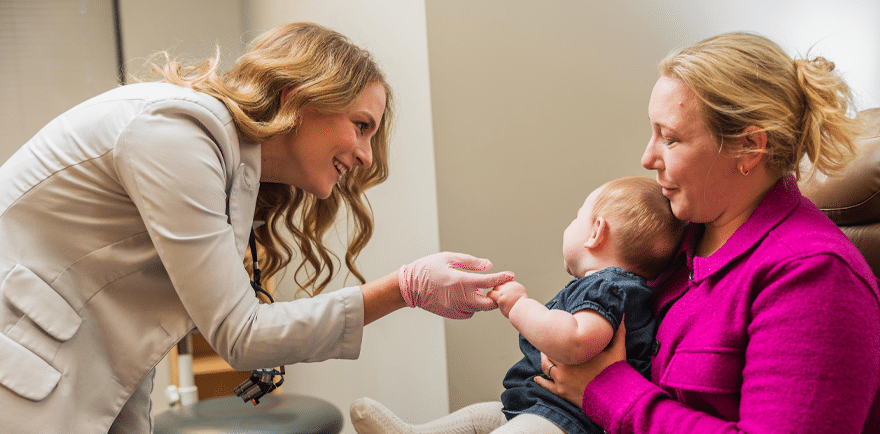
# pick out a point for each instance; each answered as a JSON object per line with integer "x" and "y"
{"x": 123, "y": 225}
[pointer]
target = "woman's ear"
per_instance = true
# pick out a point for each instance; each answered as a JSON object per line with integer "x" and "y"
{"x": 598, "y": 233}
{"x": 754, "y": 147}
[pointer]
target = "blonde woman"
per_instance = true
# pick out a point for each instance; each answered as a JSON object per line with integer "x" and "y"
{"x": 769, "y": 317}
{"x": 126, "y": 220}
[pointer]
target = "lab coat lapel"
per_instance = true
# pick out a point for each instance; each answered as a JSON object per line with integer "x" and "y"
{"x": 243, "y": 195}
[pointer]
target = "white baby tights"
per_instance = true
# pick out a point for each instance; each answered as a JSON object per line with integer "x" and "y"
{"x": 371, "y": 417}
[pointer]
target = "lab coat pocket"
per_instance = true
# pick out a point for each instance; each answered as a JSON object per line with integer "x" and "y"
{"x": 31, "y": 295}
{"x": 705, "y": 370}
{"x": 24, "y": 372}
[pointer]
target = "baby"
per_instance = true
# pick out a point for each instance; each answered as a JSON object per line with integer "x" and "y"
{"x": 623, "y": 236}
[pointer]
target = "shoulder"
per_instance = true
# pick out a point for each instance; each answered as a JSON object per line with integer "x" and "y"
{"x": 166, "y": 95}
{"x": 807, "y": 250}
{"x": 160, "y": 105}
{"x": 610, "y": 285}
{"x": 166, "y": 118}
{"x": 629, "y": 284}
{"x": 808, "y": 233}
{"x": 607, "y": 278}
{"x": 621, "y": 277}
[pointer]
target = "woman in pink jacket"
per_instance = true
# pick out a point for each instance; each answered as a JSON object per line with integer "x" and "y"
{"x": 769, "y": 319}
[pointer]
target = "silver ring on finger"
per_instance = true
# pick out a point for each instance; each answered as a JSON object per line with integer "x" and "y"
{"x": 550, "y": 368}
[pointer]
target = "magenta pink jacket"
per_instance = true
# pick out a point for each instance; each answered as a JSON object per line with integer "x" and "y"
{"x": 776, "y": 332}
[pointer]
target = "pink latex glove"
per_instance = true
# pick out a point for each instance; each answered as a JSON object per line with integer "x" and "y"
{"x": 436, "y": 283}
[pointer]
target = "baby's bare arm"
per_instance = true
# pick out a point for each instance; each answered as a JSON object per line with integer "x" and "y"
{"x": 566, "y": 338}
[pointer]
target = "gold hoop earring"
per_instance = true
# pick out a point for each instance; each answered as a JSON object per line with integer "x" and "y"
{"x": 743, "y": 170}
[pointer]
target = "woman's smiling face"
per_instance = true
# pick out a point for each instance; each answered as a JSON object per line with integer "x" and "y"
{"x": 323, "y": 147}
{"x": 697, "y": 177}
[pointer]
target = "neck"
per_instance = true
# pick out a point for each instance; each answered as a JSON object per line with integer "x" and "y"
{"x": 596, "y": 263}
{"x": 721, "y": 229}
{"x": 715, "y": 237}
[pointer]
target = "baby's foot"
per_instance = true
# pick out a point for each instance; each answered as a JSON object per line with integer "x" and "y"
{"x": 370, "y": 417}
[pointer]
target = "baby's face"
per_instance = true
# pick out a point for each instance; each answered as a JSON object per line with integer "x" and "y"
{"x": 575, "y": 237}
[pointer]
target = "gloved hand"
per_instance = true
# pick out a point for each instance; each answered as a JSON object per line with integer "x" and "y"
{"x": 436, "y": 283}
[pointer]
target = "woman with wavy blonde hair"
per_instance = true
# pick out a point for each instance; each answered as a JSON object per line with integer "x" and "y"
{"x": 126, "y": 220}
{"x": 327, "y": 74}
{"x": 768, "y": 319}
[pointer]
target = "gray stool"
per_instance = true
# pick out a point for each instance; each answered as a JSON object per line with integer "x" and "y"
{"x": 278, "y": 413}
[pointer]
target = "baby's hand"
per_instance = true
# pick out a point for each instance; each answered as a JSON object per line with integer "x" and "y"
{"x": 506, "y": 295}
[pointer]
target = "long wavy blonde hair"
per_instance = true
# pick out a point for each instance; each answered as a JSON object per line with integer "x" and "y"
{"x": 327, "y": 73}
{"x": 744, "y": 79}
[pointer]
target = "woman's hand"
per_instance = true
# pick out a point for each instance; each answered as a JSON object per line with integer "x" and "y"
{"x": 437, "y": 284}
{"x": 570, "y": 382}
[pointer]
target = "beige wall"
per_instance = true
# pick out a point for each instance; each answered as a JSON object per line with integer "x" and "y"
{"x": 53, "y": 55}
{"x": 188, "y": 30}
{"x": 537, "y": 103}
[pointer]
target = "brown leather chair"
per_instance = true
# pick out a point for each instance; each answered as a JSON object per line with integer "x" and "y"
{"x": 851, "y": 198}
